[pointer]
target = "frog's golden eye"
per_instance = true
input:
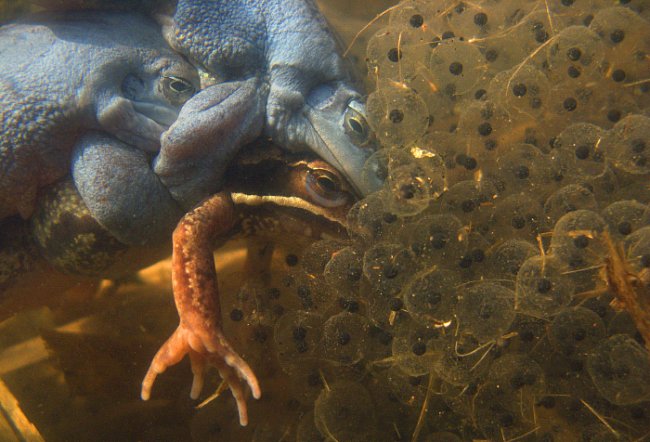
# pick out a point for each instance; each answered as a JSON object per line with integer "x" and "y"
{"x": 355, "y": 124}
{"x": 177, "y": 90}
{"x": 325, "y": 188}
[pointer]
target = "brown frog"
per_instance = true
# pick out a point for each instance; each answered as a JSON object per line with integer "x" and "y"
{"x": 284, "y": 199}
{"x": 269, "y": 194}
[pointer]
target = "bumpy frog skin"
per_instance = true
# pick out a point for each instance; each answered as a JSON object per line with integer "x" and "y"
{"x": 278, "y": 62}
{"x": 80, "y": 84}
{"x": 278, "y": 73}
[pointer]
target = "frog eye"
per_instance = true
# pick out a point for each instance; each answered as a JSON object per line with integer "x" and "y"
{"x": 355, "y": 124}
{"x": 325, "y": 188}
{"x": 177, "y": 90}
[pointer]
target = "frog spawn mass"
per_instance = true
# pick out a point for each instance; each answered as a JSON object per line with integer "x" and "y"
{"x": 474, "y": 284}
{"x": 477, "y": 280}
{"x": 495, "y": 287}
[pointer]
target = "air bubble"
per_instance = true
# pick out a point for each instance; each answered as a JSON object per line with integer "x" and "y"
{"x": 543, "y": 288}
{"x": 618, "y": 367}
{"x": 485, "y": 310}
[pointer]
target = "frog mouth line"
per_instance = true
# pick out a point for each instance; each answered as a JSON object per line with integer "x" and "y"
{"x": 285, "y": 201}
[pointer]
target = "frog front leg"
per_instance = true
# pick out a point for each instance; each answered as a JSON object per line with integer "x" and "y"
{"x": 121, "y": 190}
{"x": 194, "y": 282}
{"x": 211, "y": 127}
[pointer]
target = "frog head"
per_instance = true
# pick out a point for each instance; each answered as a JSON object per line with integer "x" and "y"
{"x": 309, "y": 195}
{"x": 141, "y": 100}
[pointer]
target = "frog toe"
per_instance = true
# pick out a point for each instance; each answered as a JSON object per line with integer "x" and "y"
{"x": 218, "y": 353}
{"x": 129, "y": 123}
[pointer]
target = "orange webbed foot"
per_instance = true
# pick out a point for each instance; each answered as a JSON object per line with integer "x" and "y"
{"x": 203, "y": 351}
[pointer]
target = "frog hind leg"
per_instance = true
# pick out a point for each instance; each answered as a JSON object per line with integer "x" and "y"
{"x": 194, "y": 281}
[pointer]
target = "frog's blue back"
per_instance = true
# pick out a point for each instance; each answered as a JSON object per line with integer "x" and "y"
{"x": 56, "y": 73}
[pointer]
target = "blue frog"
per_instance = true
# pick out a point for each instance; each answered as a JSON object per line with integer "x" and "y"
{"x": 75, "y": 85}
{"x": 277, "y": 63}
{"x": 276, "y": 72}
